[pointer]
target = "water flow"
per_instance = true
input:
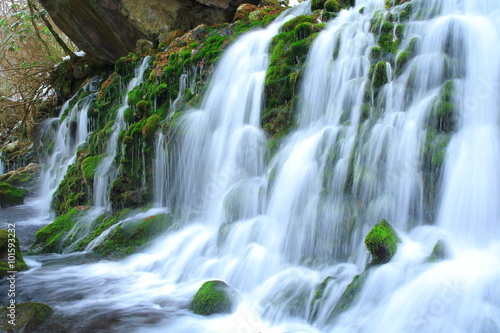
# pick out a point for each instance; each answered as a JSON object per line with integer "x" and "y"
{"x": 72, "y": 131}
{"x": 274, "y": 233}
{"x": 106, "y": 172}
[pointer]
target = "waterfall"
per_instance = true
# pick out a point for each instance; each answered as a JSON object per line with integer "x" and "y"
{"x": 106, "y": 172}
{"x": 71, "y": 131}
{"x": 407, "y": 131}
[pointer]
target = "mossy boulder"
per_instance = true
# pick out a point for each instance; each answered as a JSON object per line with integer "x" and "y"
{"x": 10, "y": 195}
{"x": 129, "y": 237}
{"x": 11, "y": 258}
{"x": 382, "y": 242}
{"x": 332, "y": 6}
{"x": 318, "y": 299}
{"x": 52, "y": 238}
{"x": 28, "y": 317}
{"x": 213, "y": 297}
{"x": 380, "y": 75}
{"x": 23, "y": 177}
{"x": 350, "y": 294}
{"x": 439, "y": 252}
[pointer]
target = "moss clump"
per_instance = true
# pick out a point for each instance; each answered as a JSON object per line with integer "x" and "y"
{"x": 350, "y": 293}
{"x": 380, "y": 75}
{"x": 129, "y": 237}
{"x": 303, "y": 30}
{"x": 375, "y": 53}
{"x": 10, "y": 254}
{"x": 10, "y": 195}
{"x": 151, "y": 126}
{"x": 213, "y": 297}
{"x": 401, "y": 61}
{"x": 317, "y": 300}
{"x": 317, "y": 4}
{"x": 28, "y": 317}
{"x": 400, "y": 31}
{"x": 52, "y": 237}
{"x": 89, "y": 167}
{"x": 382, "y": 242}
{"x": 332, "y": 6}
{"x": 439, "y": 252}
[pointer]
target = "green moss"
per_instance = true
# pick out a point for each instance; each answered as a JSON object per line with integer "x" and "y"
{"x": 332, "y": 6}
{"x": 10, "y": 195}
{"x": 401, "y": 61}
{"x": 89, "y": 167}
{"x": 318, "y": 300}
{"x": 303, "y": 30}
{"x": 50, "y": 238}
{"x": 135, "y": 96}
{"x": 439, "y": 252}
{"x": 317, "y": 4}
{"x": 213, "y": 297}
{"x": 407, "y": 12}
{"x": 28, "y": 317}
{"x": 399, "y": 31}
{"x": 375, "y": 53}
{"x": 380, "y": 75}
{"x": 382, "y": 242}
{"x": 10, "y": 254}
{"x": 290, "y": 25}
{"x": 150, "y": 128}
{"x": 350, "y": 294}
{"x": 129, "y": 237}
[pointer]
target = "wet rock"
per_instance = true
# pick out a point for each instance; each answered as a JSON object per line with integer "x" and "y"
{"x": 24, "y": 317}
{"x": 439, "y": 252}
{"x": 109, "y": 29}
{"x": 244, "y": 11}
{"x": 213, "y": 297}
{"x": 10, "y": 195}
{"x": 11, "y": 258}
{"x": 382, "y": 242}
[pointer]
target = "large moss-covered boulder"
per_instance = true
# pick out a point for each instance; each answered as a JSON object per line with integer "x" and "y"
{"x": 10, "y": 195}
{"x": 128, "y": 238}
{"x": 23, "y": 317}
{"x": 11, "y": 258}
{"x": 382, "y": 242}
{"x": 213, "y": 297}
{"x": 53, "y": 237}
{"x": 22, "y": 177}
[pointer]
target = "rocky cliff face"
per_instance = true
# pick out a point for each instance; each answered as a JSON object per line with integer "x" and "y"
{"x": 109, "y": 29}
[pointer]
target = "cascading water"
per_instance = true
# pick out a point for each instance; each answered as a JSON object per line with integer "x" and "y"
{"x": 72, "y": 131}
{"x": 361, "y": 152}
{"x": 106, "y": 173}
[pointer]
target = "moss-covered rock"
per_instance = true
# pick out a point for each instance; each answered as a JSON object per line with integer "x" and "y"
{"x": 129, "y": 237}
{"x": 350, "y": 294}
{"x": 318, "y": 300}
{"x": 23, "y": 177}
{"x": 380, "y": 76}
{"x": 213, "y": 297}
{"x": 53, "y": 237}
{"x": 11, "y": 258}
{"x": 382, "y": 242}
{"x": 24, "y": 317}
{"x": 89, "y": 167}
{"x": 439, "y": 252}
{"x": 10, "y": 195}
